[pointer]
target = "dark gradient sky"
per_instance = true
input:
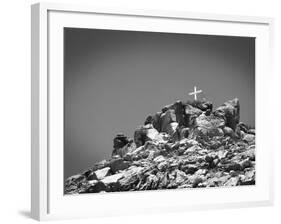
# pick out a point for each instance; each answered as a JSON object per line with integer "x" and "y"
{"x": 114, "y": 79}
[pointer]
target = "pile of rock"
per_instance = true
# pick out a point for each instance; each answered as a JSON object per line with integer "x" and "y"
{"x": 186, "y": 145}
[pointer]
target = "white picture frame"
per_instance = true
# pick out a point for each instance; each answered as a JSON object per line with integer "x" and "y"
{"x": 47, "y": 199}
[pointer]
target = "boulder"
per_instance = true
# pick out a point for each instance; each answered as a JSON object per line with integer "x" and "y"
{"x": 130, "y": 178}
{"x": 230, "y": 112}
{"x": 154, "y": 120}
{"x": 249, "y": 138}
{"x": 159, "y": 159}
{"x": 166, "y": 118}
{"x": 120, "y": 140}
{"x": 172, "y": 130}
{"x": 121, "y": 145}
{"x": 152, "y": 134}
{"x": 243, "y": 127}
{"x": 191, "y": 113}
{"x": 192, "y": 149}
{"x": 248, "y": 178}
{"x": 184, "y": 133}
{"x": 146, "y": 133}
{"x": 209, "y": 126}
{"x": 179, "y": 110}
{"x": 233, "y": 181}
{"x": 102, "y": 173}
{"x": 92, "y": 176}
{"x": 203, "y": 105}
{"x": 180, "y": 177}
{"x": 122, "y": 152}
{"x": 112, "y": 179}
{"x": 162, "y": 166}
{"x": 96, "y": 188}
{"x": 118, "y": 164}
{"x": 228, "y": 132}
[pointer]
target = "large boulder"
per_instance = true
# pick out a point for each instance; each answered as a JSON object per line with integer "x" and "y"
{"x": 191, "y": 113}
{"x": 249, "y": 138}
{"x": 166, "y": 118}
{"x": 96, "y": 187}
{"x": 122, "y": 145}
{"x": 203, "y": 105}
{"x": 118, "y": 164}
{"x": 102, "y": 173}
{"x": 146, "y": 133}
{"x": 230, "y": 112}
{"x": 228, "y": 132}
{"x": 122, "y": 152}
{"x": 112, "y": 179}
{"x": 209, "y": 125}
{"x": 120, "y": 140}
{"x": 154, "y": 120}
{"x": 179, "y": 110}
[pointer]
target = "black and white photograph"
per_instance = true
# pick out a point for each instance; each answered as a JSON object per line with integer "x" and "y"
{"x": 157, "y": 111}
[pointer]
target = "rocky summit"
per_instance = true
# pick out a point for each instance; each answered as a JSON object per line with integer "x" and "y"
{"x": 185, "y": 145}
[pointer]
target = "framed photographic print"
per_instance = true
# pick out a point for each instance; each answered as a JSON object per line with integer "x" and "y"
{"x": 153, "y": 110}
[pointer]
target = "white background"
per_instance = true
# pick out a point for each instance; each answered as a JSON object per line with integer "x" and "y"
{"x": 15, "y": 111}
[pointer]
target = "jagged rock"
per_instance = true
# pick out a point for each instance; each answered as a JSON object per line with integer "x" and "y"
{"x": 180, "y": 177}
{"x": 122, "y": 152}
{"x": 186, "y": 145}
{"x": 92, "y": 176}
{"x": 130, "y": 178}
{"x": 102, "y": 173}
{"x": 184, "y": 133}
{"x": 209, "y": 126}
{"x": 249, "y": 138}
{"x": 196, "y": 180}
{"x": 222, "y": 154}
{"x": 228, "y": 132}
{"x": 179, "y": 110}
{"x": 96, "y": 188}
{"x": 252, "y": 131}
{"x": 154, "y": 120}
{"x": 191, "y": 113}
{"x": 159, "y": 159}
{"x": 172, "y": 130}
{"x": 120, "y": 140}
{"x": 202, "y": 105}
{"x": 230, "y": 111}
{"x": 192, "y": 149}
{"x": 243, "y": 127}
{"x": 163, "y": 165}
{"x": 209, "y": 122}
{"x": 248, "y": 178}
{"x": 112, "y": 179}
{"x": 190, "y": 169}
{"x": 233, "y": 166}
{"x": 166, "y": 118}
{"x": 233, "y": 181}
{"x": 118, "y": 164}
{"x": 146, "y": 133}
{"x": 246, "y": 163}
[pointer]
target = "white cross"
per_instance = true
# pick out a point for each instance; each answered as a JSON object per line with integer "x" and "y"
{"x": 195, "y": 93}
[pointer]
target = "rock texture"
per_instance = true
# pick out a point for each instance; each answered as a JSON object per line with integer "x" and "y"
{"x": 186, "y": 145}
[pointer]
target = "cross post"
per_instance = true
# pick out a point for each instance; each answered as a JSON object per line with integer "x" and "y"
{"x": 195, "y": 93}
